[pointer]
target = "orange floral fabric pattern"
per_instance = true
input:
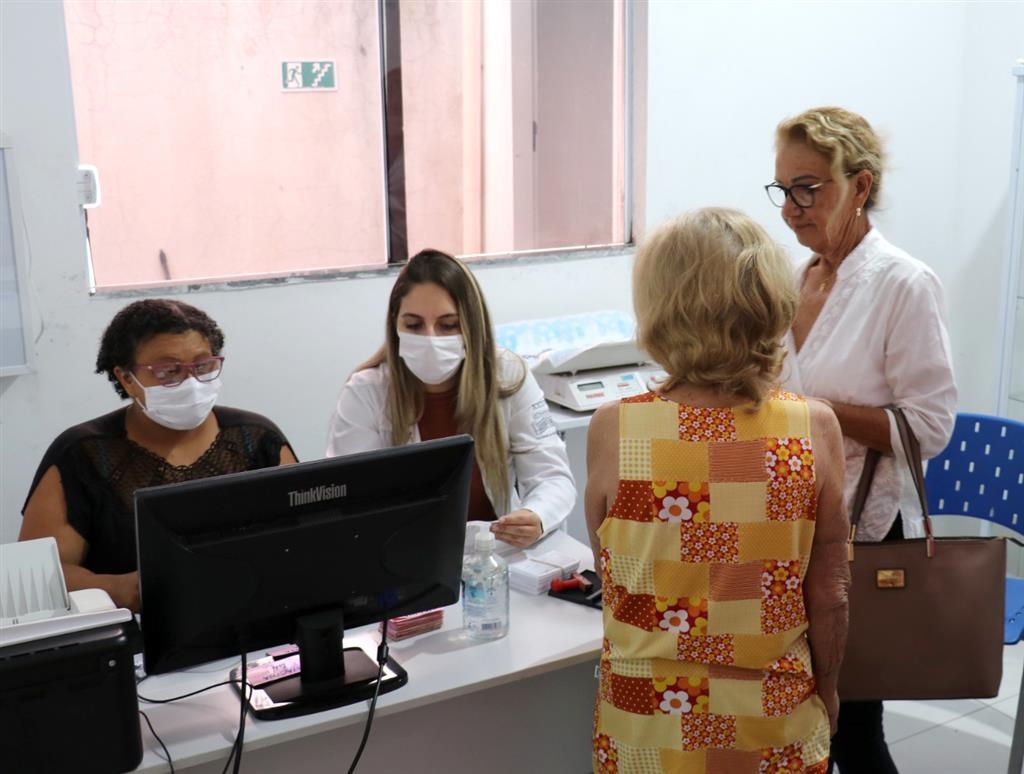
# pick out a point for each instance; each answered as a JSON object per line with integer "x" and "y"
{"x": 705, "y": 664}
{"x": 702, "y": 425}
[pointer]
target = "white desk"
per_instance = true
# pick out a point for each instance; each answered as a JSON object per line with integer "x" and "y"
{"x": 567, "y": 419}
{"x": 521, "y": 703}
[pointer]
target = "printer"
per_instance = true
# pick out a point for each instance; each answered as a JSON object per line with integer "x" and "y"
{"x": 67, "y": 675}
{"x": 583, "y": 360}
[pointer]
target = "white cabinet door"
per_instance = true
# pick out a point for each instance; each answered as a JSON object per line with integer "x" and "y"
{"x": 1011, "y": 381}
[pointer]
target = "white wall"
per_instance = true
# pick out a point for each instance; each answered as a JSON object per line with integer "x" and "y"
{"x": 933, "y": 76}
{"x": 982, "y": 203}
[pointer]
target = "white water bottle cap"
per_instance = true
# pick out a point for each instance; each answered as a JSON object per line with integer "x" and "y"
{"x": 484, "y": 540}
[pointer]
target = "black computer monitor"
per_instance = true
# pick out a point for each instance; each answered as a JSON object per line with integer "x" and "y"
{"x": 297, "y": 554}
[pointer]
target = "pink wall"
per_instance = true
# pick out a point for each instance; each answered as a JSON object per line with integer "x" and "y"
{"x": 201, "y": 154}
{"x": 433, "y": 95}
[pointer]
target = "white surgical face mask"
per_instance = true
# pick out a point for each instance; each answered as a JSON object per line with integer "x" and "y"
{"x": 432, "y": 359}
{"x": 184, "y": 406}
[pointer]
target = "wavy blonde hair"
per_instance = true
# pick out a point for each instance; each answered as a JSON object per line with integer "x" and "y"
{"x": 845, "y": 138}
{"x": 714, "y": 296}
{"x": 476, "y": 409}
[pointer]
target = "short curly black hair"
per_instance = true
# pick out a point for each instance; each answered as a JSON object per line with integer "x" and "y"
{"x": 140, "y": 321}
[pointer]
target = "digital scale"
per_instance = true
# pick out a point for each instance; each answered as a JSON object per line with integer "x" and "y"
{"x": 586, "y": 390}
{"x": 583, "y": 379}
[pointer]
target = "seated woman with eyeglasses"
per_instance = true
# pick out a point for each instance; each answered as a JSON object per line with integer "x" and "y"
{"x": 165, "y": 356}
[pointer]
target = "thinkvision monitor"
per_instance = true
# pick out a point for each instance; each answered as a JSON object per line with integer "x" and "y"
{"x": 297, "y": 554}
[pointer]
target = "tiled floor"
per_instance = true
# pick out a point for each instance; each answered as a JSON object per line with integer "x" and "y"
{"x": 957, "y": 737}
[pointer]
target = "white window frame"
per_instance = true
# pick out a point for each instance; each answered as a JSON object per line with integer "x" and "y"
{"x": 12, "y": 222}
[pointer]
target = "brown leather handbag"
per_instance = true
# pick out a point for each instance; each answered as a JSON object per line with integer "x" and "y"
{"x": 926, "y": 614}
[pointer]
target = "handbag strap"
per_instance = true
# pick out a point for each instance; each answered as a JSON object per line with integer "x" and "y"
{"x": 912, "y": 450}
{"x": 860, "y": 496}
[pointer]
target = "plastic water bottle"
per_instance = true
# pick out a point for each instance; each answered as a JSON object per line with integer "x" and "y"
{"x": 485, "y": 591}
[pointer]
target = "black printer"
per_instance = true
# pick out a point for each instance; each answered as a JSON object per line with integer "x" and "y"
{"x": 68, "y": 703}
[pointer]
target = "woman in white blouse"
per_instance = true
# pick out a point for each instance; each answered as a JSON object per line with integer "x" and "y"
{"x": 440, "y": 373}
{"x": 870, "y": 332}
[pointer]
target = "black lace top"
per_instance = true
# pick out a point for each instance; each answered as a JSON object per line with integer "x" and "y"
{"x": 100, "y": 469}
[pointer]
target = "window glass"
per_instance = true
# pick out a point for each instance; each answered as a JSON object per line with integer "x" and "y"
{"x": 241, "y": 140}
{"x": 211, "y": 168}
{"x": 529, "y": 100}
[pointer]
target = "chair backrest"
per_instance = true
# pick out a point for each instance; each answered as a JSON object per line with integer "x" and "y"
{"x": 981, "y": 472}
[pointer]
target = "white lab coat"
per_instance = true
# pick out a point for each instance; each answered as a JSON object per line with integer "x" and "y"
{"x": 881, "y": 340}
{"x": 538, "y": 464}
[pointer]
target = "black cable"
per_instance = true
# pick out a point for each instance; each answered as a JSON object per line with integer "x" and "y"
{"x": 243, "y": 703}
{"x": 196, "y": 692}
{"x": 244, "y": 700}
{"x": 187, "y": 695}
{"x": 382, "y": 659}
{"x": 157, "y": 737}
{"x": 244, "y": 694}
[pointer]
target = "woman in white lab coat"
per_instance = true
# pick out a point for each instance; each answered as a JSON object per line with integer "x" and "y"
{"x": 440, "y": 373}
{"x": 870, "y": 332}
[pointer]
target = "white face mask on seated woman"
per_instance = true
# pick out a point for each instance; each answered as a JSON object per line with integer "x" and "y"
{"x": 432, "y": 359}
{"x": 183, "y": 406}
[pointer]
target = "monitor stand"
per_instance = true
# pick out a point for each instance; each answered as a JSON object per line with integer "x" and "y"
{"x": 317, "y": 675}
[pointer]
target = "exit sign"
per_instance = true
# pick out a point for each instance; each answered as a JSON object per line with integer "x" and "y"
{"x": 308, "y": 76}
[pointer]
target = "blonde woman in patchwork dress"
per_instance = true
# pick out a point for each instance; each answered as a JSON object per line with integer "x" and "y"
{"x": 716, "y": 514}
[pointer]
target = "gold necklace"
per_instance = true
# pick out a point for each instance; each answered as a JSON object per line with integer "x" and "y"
{"x": 826, "y": 283}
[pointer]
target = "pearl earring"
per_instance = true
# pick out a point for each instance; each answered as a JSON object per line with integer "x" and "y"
{"x": 858, "y": 212}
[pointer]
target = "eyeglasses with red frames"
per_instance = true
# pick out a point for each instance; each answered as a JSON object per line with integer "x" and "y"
{"x": 169, "y": 374}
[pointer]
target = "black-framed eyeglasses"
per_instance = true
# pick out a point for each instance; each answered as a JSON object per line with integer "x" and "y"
{"x": 169, "y": 374}
{"x": 802, "y": 195}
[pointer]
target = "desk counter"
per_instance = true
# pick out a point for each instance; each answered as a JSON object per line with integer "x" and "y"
{"x": 523, "y": 702}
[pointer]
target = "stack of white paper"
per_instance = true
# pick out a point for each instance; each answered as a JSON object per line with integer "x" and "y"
{"x": 566, "y": 564}
{"x": 531, "y": 576}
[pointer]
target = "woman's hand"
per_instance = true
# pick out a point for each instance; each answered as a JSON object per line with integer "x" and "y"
{"x": 864, "y": 424}
{"x": 124, "y": 590}
{"x": 520, "y": 528}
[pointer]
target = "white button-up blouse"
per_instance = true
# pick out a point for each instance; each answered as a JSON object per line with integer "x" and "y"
{"x": 881, "y": 340}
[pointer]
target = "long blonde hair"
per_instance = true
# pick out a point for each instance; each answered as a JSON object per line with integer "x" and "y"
{"x": 714, "y": 296}
{"x": 480, "y": 388}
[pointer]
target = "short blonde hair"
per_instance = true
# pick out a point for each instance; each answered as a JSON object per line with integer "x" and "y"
{"x": 845, "y": 138}
{"x": 714, "y": 296}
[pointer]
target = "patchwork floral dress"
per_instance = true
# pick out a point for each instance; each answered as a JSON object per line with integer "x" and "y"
{"x": 705, "y": 666}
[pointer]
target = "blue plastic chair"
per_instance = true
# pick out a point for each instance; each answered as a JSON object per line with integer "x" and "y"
{"x": 981, "y": 474}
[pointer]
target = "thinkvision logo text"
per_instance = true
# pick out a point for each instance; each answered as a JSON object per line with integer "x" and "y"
{"x": 317, "y": 494}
